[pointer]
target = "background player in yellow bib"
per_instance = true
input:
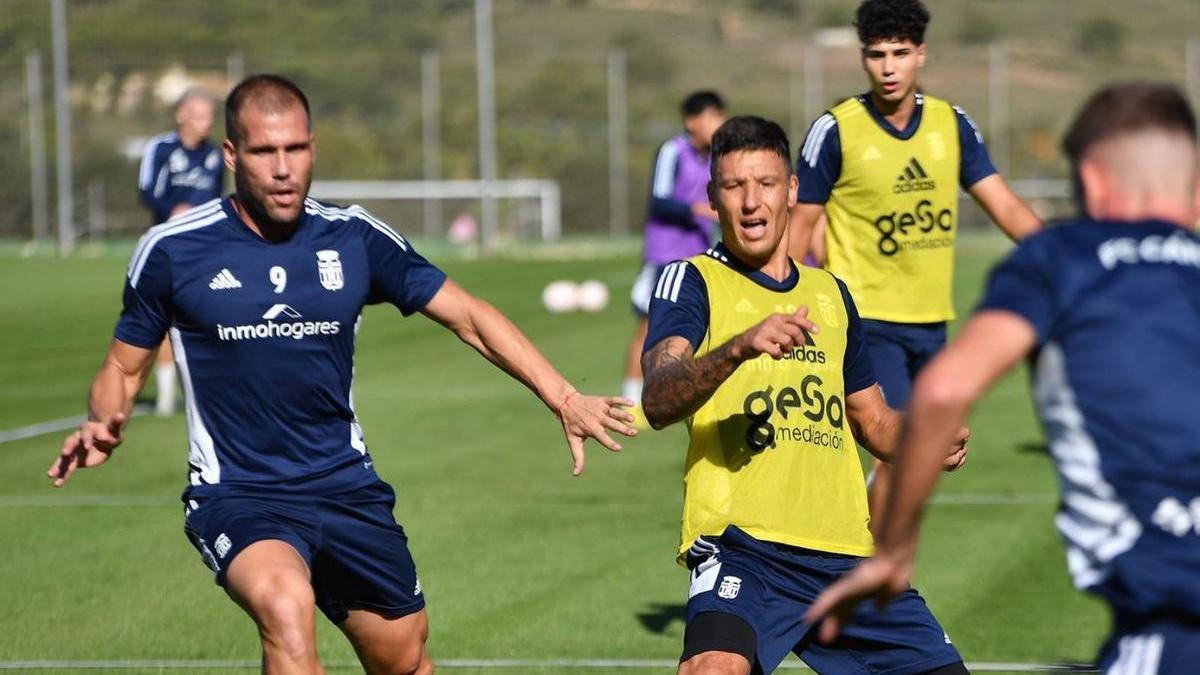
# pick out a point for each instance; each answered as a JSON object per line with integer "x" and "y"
{"x": 774, "y": 398}
{"x": 884, "y": 168}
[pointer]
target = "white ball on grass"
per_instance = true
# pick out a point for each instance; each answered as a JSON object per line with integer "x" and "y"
{"x": 561, "y": 296}
{"x": 593, "y": 295}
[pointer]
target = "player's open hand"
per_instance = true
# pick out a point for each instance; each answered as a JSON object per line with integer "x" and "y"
{"x": 881, "y": 577}
{"x": 776, "y": 335}
{"x": 585, "y": 417}
{"x": 958, "y": 451}
{"x": 91, "y": 445}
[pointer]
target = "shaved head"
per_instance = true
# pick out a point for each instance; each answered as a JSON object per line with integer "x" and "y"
{"x": 1133, "y": 153}
{"x": 268, "y": 94}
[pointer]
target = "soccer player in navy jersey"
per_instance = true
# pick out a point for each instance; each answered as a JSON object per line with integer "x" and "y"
{"x": 180, "y": 169}
{"x": 261, "y": 294}
{"x": 1108, "y": 308}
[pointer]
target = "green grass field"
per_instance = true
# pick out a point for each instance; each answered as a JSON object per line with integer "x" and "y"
{"x": 518, "y": 559}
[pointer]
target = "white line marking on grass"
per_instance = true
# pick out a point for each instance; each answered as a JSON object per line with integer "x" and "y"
{"x": 180, "y": 664}
{"x": 69, "y": 500}
{"x": 61, "y": 424}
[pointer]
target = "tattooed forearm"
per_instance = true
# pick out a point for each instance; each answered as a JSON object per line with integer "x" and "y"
{"x": 676, "y": 384}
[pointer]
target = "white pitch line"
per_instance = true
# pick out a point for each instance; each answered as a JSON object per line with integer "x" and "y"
{"x": 120, "y": 501}
{"x": 61, "y": 424}
{"x": 197, "y": 664}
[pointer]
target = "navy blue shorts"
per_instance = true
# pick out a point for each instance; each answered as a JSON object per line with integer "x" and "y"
{"x": 356, "y": 552}
{"x": 770, "y": 586}
{"x": 898, "y": 352}
{"x": 1155, "y": 646}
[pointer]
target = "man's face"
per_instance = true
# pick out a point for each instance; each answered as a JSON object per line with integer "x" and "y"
{"x": 752, "y": 191}
{"x": 701, "y": 127}
{"x": 272, "y": 163}
{"x": 195, "y": 118}
{"x": 892, "y": 67}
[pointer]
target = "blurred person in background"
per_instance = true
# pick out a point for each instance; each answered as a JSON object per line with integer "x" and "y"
{"x": 180, "y": 169}
{"x": 1107, "y": 307}
{"x": 680, "y": 222}
{"x": 885, "y": 168}
{"x": 283, "y": 502}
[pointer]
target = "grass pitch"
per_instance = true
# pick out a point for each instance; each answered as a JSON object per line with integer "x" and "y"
{"x": 518, "y": 560}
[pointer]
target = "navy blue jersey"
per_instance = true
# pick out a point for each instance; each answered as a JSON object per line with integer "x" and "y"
{"x": 263, "y": 335}
{"x": 819, "y": 162}
{"x": 684, "y": 312}
{"x": 1116, "y": 308}
{"x": 171, "y": 174}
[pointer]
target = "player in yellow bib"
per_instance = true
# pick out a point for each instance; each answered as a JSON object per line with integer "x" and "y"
{"x": 767, "y": 364}
{"x": 884, "y": 168}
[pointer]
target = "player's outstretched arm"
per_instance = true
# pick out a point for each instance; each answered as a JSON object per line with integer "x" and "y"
{"x": 482, "y": 326}
{"x": 989, "y": 345}
{"x": 1006, "y": 209}
{"x": 677, "y": 383}
{"x": 110, "y": 403}
{"x": 878, "y": 427}
{"x": 806, "y": 232}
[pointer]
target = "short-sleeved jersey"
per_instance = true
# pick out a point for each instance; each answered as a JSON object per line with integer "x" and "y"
{"x": 771, "y": 451}
{"x": 892, "y": 200}
{"x": 172, "y": 174}
{"x": 679, "y": 179}
{"x": 263, "y": 335}
{"x": 1116, "y": 308}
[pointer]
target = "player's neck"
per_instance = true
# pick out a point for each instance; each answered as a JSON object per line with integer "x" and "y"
{"x": 263, "y": 227}
{"x": 189, "y": 141}
{"x": 897, "y": 113}
{"x": 778, "y": 266}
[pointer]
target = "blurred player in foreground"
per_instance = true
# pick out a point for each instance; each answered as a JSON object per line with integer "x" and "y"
{"x": 1108, "y": 306}
{"x": 681, "y": 223}
{"x": 886, "y": 167}
{"x": 775, "y": 397}
{"x": 180, "y": 169}
{"x": 283, "y": 502}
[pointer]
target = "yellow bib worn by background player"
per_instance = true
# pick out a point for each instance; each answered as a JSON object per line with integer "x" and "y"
{"x": 771, "y": 451}
{"x": 893, "y": 214}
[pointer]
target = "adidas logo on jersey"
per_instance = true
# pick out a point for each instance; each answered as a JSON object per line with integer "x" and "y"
{"x": 913, "y": 179}
{"x": 224, "y": 280}
{"x": 744, "y": 306}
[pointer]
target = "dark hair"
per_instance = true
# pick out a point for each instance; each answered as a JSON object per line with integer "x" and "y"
{"x": 747, "y": 132}
{"x": 1128, "y": 107}
{"x": 699, "y": 101}
{"x": 891, "y": 20}
{"x": 270, "y": 93}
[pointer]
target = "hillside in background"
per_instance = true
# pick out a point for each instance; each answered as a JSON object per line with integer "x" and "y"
{"x": 359, "y": 60}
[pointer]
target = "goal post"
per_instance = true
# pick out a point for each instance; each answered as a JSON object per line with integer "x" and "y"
{"x": 546, "y": 192}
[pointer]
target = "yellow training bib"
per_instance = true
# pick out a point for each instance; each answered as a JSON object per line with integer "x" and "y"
{"x": 893, "y": 214}
{"x": 771, "y": 452}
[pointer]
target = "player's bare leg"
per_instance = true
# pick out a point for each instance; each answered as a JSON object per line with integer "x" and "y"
{"x": 271, "y": 582}
{"x": 715, "y": 663}
{"x": 389, "y": 646}
{"x": 164, "y": 378}
{"x": 878, "y": 484}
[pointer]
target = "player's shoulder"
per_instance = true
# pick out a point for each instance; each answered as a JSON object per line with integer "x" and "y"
{"x": 848, "y": 107}
{"x": 194, "y": 225}
{"x": 164, "y": 141}
{"x": 353, "y": 216}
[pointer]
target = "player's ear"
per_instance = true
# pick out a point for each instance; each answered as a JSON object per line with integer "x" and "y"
{"x": 711, "y": 190}
{"x": 920, "y": 55}
{"x": 1096, "y": 186}
{"x": 229, "y": 152}
{"x": 1196, "y": 203}
{"x": 793, "y": 189}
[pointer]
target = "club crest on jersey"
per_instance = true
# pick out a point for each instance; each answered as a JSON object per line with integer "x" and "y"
{"x": 329, "y": 268}
{"x": 729, "y": 587}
